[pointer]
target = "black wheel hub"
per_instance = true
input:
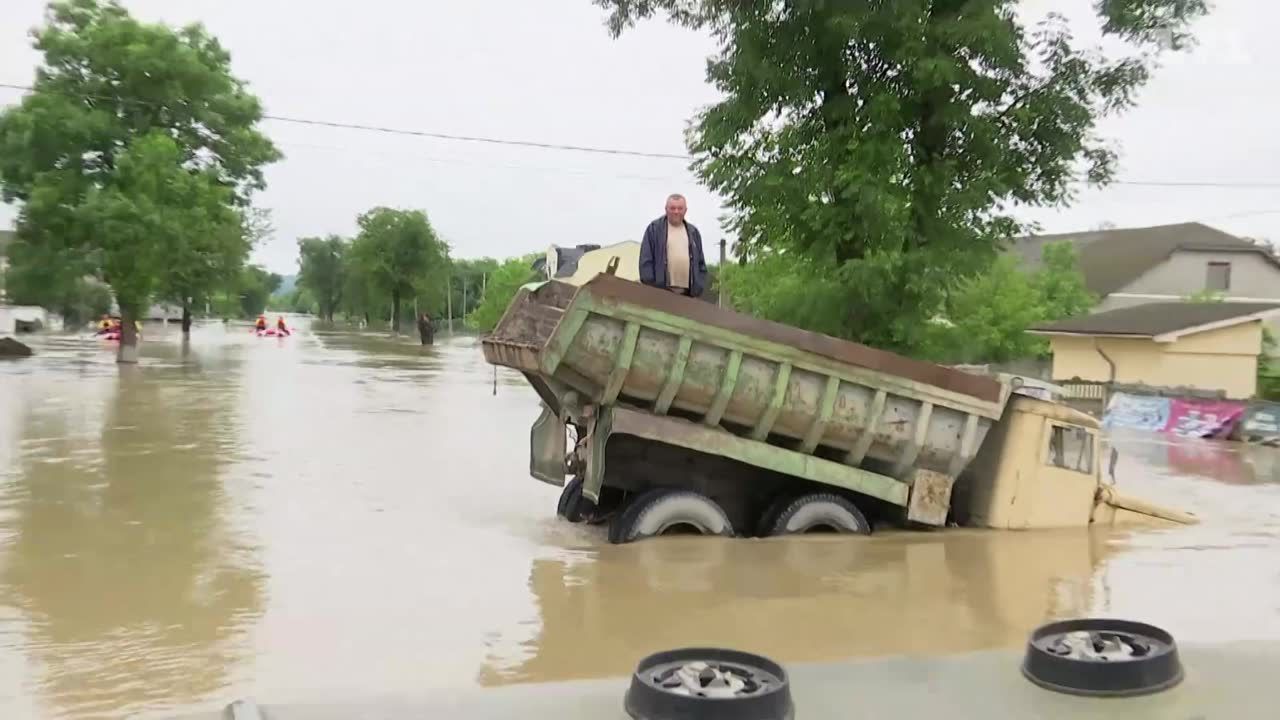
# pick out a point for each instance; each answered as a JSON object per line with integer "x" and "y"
{"x": 1102, "y": 657}
{"x": 709, "y": 684}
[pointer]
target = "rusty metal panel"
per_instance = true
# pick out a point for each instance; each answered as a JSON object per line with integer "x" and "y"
{"x": 930, "y": 497}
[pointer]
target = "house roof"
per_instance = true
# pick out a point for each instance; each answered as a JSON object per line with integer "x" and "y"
{"x": 1111, "y": 259}
{"x": 1162, "y": 322}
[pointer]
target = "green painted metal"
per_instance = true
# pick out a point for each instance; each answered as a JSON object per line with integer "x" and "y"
{"x": 675, "y": 376}
{"x": 678, "y": 325}
{"x": 727, "y": 382}
{"x": 682, "y": 433}
{"x": 912, "y": 450}
{"x": 825, "y": 407}
{"x": 621, "y": 364}
{"x": 770, "y": 415}
{"x": 598, "y": 433}
{"x": 856, "y": 455}
{"x": 560, "y": 342}
{"x": 547, "y": 448}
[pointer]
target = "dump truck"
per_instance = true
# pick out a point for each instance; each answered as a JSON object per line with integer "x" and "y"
{"x": 663, "y": 413}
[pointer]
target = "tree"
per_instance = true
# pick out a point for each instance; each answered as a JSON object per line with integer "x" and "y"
{"x": 322, "y": 271}
{"x": 136, "y": 150}
{"x": 889, "y": 140}
{"x": 256, "y": 287}
{"x": 500, "y": 289}
{"x": 57, "y": 279}
{"x": 397, "y": 251}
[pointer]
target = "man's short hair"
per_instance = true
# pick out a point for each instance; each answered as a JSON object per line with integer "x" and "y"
{"x": 676, "y": 196}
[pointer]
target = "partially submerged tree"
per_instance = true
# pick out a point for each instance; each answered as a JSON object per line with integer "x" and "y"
{"x": 322, "y": 271}
{"x": 398, "y": 250}
{"x": 888, "y": 141}
{"x": 137, "y": 148}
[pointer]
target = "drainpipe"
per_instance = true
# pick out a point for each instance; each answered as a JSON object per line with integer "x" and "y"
{"x": 1106, "y": 393}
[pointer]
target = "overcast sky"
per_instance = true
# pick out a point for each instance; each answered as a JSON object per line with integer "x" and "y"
{"x": 547, "y": 71}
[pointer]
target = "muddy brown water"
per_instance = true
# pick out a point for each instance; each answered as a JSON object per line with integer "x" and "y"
{"x": 336, "y": 515}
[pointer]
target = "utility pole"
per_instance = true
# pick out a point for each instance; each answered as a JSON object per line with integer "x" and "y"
{"x": 720, "y": 275}
{"x": 448, "y": 294}
{"x": 464, "y": 298}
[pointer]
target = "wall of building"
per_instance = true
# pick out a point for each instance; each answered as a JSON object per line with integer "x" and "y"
{"x": 1225, "y": 359}
{"x": 1185, "y": 272}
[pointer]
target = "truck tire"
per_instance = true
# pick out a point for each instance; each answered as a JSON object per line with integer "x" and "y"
{"x": 771, "y": 513}
{"x": 572, "y": 505}
{"x": 820, "y": 511}
{"x": 658, "y": 511}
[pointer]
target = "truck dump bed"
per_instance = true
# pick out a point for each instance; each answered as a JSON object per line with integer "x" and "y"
{"x": 612, "y": 341}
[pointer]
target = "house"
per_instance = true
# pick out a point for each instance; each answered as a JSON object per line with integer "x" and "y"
{"x": 1206, "y": 346}
{"x": 1134, "y": 266}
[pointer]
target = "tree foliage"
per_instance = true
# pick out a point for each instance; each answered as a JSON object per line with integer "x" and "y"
{"x": 137, "y": 150}
{"x": 984, "y": 318}
{"x": 888, "y": 141}
{"x": 322, "y": 271}
{"x": 500, "y": 288}
{"x": 256, "y": 287}
{"x": 398, "y": 253}
{"x": 57, "y": 279}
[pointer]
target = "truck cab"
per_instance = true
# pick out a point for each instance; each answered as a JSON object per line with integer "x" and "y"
{"x": 1042, "y": 467}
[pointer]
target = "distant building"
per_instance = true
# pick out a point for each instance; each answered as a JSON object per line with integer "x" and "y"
{"x": 1134, "y": 266}
{"x": 1206, "y": 346}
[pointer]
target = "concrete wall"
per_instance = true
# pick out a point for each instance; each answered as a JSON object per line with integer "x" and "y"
{"x": 1225, "y": 359}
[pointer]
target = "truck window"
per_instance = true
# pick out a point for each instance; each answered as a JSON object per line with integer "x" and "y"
{"x": 1071, "y": 448}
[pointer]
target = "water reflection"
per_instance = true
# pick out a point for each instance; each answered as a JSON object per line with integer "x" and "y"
{"x": 1217, "y": 460}
{"x": 806, "y": 599}
{"x": 131, "y": 586}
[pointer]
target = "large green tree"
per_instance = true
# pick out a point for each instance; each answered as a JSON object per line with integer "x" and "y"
{"x": 500, "y": 288}
{"x": 322, "y": 271}
{"x": 889, "y": 141}
{"x": 137, "y": 148}
{"x": 57, "y": 279}
{"x": 399, "y": 253}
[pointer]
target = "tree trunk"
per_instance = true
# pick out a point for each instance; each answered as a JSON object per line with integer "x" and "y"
{"x": 395, "y": 311}
{"x": 186, "y": 318}
{"x": 128, "y": 352}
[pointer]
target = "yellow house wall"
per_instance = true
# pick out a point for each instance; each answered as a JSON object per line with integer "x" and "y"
{"x": 1224, "y": 359}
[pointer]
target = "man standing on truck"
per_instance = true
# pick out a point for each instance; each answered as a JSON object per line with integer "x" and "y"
{"x": 671, "y": 252}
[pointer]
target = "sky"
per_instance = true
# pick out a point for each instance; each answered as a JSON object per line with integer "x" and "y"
{"x": 548, "y": 71}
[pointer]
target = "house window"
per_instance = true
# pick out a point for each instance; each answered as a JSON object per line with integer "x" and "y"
{"x": 1218, "y": 277}
{"x": 1071, "y": 448}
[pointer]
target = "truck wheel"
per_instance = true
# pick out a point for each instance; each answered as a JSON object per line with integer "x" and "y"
{"x": 663, "y": 510}
{"x": 572, "y": 505}
{"x": 771, "y": 514}
{"x": 817, "y": 512}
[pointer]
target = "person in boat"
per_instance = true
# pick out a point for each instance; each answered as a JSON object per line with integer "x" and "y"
{"x": 281, "y": 328}
{"x": 261, "y": 324}
{"x": 104, "y": 325}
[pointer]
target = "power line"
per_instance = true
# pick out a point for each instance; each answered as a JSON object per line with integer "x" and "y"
{"x": 438, "y": 135}
{"x": 624, "y": 152}
{"x": 1199, "y": 184}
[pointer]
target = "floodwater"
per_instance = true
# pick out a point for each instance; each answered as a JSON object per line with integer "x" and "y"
{"x": 335, "y": 516}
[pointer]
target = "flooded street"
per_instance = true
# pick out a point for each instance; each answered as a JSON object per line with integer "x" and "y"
{"x": 333, "y": 516}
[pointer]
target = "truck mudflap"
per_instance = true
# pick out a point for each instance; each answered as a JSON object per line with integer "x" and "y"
{"x": 1112, "y": 508}
{"x": 547, "y": 448}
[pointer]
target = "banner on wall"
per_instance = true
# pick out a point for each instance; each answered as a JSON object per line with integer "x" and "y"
{"x": 1138, "y": 412}
{"x": 1261, "y": 421}
{"x": 1204, "y": 418}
